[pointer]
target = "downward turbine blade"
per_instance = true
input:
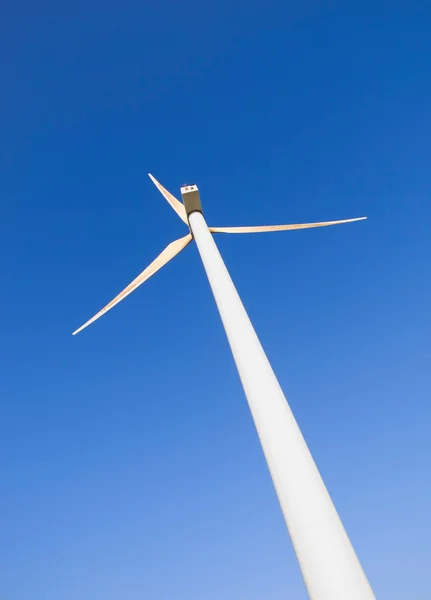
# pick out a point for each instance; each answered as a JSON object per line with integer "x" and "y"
{"x": 176, "y": 204}
{"x": 164, "y": 257}
{"x": 268, "y": 228}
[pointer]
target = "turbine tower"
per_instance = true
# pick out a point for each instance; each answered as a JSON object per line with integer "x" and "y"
{"x": 328, "y": 562}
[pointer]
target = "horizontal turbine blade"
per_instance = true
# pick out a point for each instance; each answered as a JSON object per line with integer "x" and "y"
{"x": 176, "y": 204}
{"x": 268, "y": 228}
{"x": 164, "y": 257}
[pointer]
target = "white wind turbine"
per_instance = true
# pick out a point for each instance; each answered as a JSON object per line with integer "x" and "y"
{"x": 328, "y": 562}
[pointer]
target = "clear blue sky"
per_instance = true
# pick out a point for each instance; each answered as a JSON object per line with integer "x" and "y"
{"x": 129, "y": 464}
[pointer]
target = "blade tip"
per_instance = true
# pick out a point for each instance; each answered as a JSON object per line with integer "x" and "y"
{"x": 80, "y": 328}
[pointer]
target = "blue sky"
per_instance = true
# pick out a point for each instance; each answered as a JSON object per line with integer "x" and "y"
{"x": 129, "y": 464}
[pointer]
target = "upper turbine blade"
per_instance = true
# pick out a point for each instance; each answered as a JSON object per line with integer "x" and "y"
{"x": 176, "y": 204}
{"x": 267, "y": 228}
{"x": 164, "y": 257}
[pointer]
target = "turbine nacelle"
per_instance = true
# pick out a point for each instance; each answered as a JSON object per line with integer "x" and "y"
{"x": 192, "y": 203}
{"x": 191, "y": 199}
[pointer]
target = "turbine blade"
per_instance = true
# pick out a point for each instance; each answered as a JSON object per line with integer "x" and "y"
{"x": 176, "y": 204}
{"x": 268, "y": 228}
{"x": 164, "y": 257}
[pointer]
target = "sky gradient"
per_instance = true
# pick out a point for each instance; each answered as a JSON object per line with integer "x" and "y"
{"x": 130, "y": 467}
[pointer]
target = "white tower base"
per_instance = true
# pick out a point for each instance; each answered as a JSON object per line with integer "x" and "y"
{"x": 329, "y": 565}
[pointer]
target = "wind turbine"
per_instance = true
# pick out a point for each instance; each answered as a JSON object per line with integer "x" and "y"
{"x": 328, "y": 562}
